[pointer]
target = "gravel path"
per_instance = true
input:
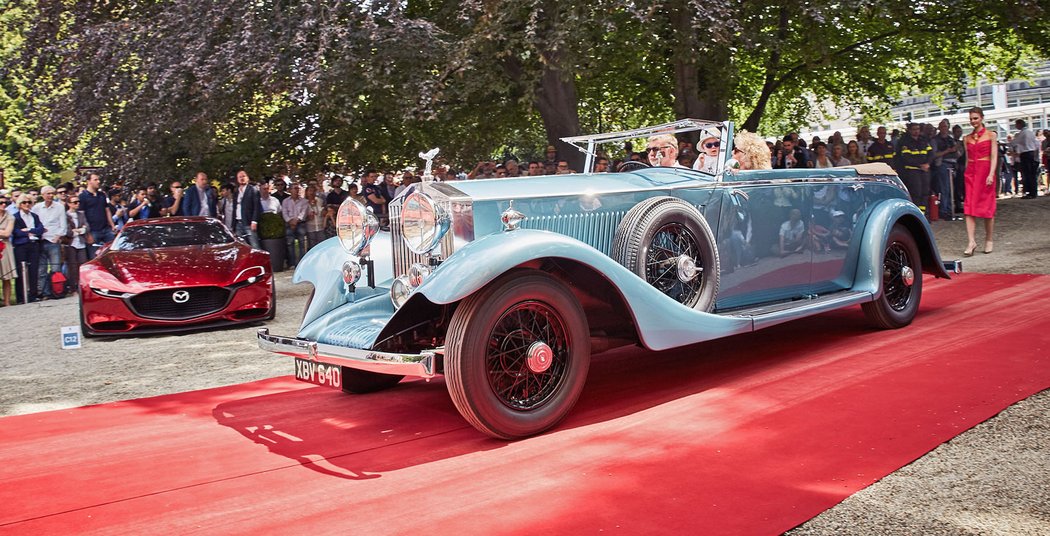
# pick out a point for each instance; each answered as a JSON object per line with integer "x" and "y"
{"x": 993, "y": 479}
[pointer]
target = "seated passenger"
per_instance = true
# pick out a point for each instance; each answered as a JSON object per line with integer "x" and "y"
{"x": 751, "y": 152}
{"x": 708, "y": 146}
{"x": 662, "y": 150}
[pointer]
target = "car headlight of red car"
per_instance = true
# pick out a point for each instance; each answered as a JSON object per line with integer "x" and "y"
{"x": 111, "y": 293}
{"x": 250, "y": 275}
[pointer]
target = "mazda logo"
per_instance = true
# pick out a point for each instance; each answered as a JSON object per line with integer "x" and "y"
{"x": 180, "y": 296}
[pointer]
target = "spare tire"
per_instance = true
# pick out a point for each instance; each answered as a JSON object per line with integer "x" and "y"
{"x": 669, "y": 244}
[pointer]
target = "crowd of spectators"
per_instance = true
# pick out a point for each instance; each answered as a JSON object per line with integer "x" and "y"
{"x": 56, "y": 229}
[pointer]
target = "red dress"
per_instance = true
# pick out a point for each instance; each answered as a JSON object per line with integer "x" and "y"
{"x": 979, "y": 200}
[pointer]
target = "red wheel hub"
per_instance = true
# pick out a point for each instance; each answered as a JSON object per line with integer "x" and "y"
{"x": 539, "y": 357}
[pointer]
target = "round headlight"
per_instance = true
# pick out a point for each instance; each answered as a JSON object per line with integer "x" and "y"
{"x": 400, "y": 290}
{"x": 351, "y": 272}
{"x": 423, "y": 223}
{"x": 355, "y": 225}
{"x": 417, "y": 273}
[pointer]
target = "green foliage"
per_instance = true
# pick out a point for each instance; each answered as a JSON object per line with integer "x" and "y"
{"x": 155, "y": 90}
{"x": 271, "y": 225}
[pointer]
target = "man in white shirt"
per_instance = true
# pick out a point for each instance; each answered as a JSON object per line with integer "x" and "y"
{"x": 268, "y": 201}
{"x": 294, "y": 209}
{"x": 52, "y": 215}
{"x": 662, "y": 150}
{"x": 246, "y": 210}
{"x": 1026, "y": 147}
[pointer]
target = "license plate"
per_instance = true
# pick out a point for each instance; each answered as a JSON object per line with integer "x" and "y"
{"x": 318, "y": 373}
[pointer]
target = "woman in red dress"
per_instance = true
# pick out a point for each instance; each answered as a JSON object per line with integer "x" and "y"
{"x": 982, "y": 153}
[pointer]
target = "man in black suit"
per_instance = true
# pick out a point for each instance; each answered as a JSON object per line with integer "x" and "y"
{"x": 246, "y": 210}
{"x": 201, "y": 199}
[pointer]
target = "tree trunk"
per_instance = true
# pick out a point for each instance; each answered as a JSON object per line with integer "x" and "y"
{"x": 772, "y": 71}
{"x": 557, "y": 102}
{"x": 700, "y": 92}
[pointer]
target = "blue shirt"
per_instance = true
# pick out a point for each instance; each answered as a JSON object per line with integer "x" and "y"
{"x": 94, "y": 207}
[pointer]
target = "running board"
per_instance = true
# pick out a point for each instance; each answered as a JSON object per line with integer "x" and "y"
{"x": 953, "y": 267}
{"x": 764, "y": 316}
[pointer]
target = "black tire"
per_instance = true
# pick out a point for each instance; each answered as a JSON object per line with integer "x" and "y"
{"x": 360, "y": 382}
{"x": 901, "y": 288}
{"x": 84, "y": 330}
{"x": 654, "y": 235}
{"x": 273, "y": 297}
{"x": 544, "y": 345}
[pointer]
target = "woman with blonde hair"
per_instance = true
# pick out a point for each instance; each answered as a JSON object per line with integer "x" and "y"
{"x": 751, "y": 152}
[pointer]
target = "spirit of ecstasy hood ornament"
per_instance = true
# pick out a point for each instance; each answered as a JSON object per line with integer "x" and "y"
{"x": 429, "y": 157}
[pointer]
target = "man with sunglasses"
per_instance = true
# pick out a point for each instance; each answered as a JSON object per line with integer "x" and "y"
{"x": 662, "y": 151}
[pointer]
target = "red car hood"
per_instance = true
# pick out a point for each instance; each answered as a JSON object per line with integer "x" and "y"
{"x": 177, "y": 266}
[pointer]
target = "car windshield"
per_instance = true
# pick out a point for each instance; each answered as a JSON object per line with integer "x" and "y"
{"x": 197, "y": 233}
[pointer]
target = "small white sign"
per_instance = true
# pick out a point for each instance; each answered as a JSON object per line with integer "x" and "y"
{"x": 71, "y": 337}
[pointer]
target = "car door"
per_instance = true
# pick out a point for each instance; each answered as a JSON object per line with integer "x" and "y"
{"x": 838, "y": 206}
{"x": 763, "y": 243}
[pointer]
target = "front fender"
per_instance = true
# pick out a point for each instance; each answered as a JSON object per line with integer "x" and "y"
{"x": 661, "y": 322}
{"x": 881, "y": 220}
{"x": 322, "y": 267}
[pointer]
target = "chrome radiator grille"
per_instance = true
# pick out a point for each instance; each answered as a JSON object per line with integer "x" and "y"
{"x": 404, "y": 257}
{"x": 593, "y": 228}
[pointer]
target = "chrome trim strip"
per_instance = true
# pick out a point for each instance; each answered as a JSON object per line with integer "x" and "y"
{"x": 417, "y": 365}
{"x": 693, "y": 185}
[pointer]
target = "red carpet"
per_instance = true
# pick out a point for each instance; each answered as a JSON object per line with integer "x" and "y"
{"x": 749, "y": 435}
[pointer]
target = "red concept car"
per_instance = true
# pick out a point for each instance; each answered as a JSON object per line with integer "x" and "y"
{"x": 171, "y": 274}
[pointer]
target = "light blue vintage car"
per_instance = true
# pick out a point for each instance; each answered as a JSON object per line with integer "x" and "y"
{"x": 507, "y": 287}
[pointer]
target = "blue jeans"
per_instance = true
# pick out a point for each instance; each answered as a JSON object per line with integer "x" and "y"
{"x": 942, "y": 177}
{"x": 50, "y": 261}
{"x": 290, "y": 236}
{"x": 102, "y": 237}
{"x": 245, "y": 232}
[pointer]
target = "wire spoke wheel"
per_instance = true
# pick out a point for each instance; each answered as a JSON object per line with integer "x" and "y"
{"x": 898, "y": 302}
{"x": 897, "y": 278}
{"x": 669, "y": 244}
{"x": 662, "y": 269}
{"x": 517, "y": 354}
{"x": 516, "y": 377}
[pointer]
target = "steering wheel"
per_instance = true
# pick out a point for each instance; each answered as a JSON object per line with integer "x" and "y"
{"x": 631, "y": 165}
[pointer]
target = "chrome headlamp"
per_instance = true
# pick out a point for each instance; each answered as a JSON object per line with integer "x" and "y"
{"x": 423, "y": 223}
{"x": 355, "y": 226}
{"x": 403, "y": 287}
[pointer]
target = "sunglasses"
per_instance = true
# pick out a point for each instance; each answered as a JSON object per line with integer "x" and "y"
{"x": 712, "y": 144}
{"x": 73, "y": 202}
{"x": 4, "y": 203}
{"x": 60, "y": 192}
{"x": 654, "y": 149}
{"x": 26, "y": 203}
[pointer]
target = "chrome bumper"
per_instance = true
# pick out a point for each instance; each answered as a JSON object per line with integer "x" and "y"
{"x": 418, "y": 365}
